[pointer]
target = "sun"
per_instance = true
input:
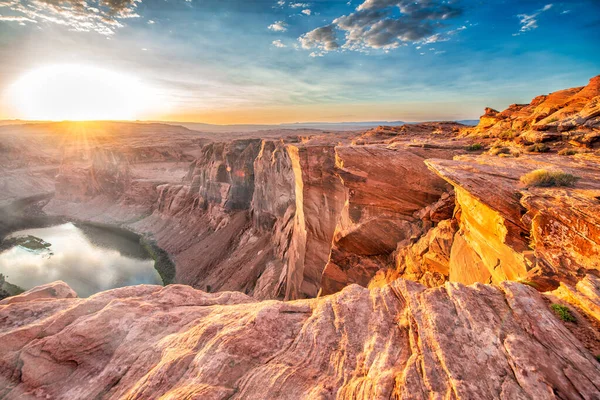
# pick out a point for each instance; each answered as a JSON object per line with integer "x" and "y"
{"x": 79, "y": 93}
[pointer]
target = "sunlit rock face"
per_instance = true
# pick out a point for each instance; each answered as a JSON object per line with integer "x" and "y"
{"x": 399, "y": 341}
{"x": 507, "y": 231}
{"x": 500, "y": 228}
{"x": 573, "y": 114}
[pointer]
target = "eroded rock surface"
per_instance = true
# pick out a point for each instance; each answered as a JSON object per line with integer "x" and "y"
{"x": 502, "y": 230}
{"x": 402, "y": 341}
{"x": 570, "y": 113}
{"x": 511, "y": 232}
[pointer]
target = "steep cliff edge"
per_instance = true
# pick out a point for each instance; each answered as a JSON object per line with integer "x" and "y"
{"x": 384, "y": 187}
{"x": 541, "y": 235}
{"x": 502, "y": 229}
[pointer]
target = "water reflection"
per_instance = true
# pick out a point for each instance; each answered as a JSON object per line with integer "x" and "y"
{"x": 89, "y": 260}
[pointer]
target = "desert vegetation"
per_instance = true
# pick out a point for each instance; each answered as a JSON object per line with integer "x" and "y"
{"x": 563, "y": 313}
{"x": 538, "y": 148}
{"x": 546, "y": 178}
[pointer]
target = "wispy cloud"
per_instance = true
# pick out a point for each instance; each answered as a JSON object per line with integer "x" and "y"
{"x": 376, "y": 24}
{"x": 529, "y": 22}
{"x": 101, "y": 16}
{"x": 278, "y": 43}
{"x": 20, "y": 20}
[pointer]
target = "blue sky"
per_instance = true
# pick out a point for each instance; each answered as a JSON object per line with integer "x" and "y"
{"x": 236, "y": 61}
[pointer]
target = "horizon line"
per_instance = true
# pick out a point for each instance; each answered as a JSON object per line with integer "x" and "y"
{"x": 167, "y": 121}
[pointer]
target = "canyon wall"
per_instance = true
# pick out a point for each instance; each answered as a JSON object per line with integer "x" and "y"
{"x": 288, "y": 218}
{"x": 284, "y": 223}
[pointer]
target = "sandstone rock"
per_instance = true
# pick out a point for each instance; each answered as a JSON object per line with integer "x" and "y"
{"x": 327, "y": 215}
{"x": 427, "y": 261}
{"x": 544, "y": 235}
{"x": 56, "y": 290}
{"x": 565, "y": 230}
{"x": 585, "y": 295}
{"x": 385, "y": 188}
{"x": 400, "y": 341}
{"x": 559, "y": 111}
{"x": 390, "y": 134}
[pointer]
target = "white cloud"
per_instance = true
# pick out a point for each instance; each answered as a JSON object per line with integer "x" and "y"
{"x": 322, "y": 38}
{"x": 529, "y": 22}
{"x": 434, "y": 39}
{"x": 278, "y": 26}
{"x": 278, "y": 43}
{"x": 299, "y": 5}
{"x": 376, "y": 24}
{"x": 306, "y": 12}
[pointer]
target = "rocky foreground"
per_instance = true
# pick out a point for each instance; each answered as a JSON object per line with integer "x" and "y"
{"x": 417, "y": 260}
{"x": 402, "y": 341}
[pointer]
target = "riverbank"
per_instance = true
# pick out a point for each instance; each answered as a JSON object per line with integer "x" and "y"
{"x": 27, "y": 213}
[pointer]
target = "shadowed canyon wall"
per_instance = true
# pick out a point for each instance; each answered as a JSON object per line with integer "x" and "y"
{"x": 272, "y": 218}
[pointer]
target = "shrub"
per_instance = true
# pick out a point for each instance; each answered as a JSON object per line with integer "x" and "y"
{"x": 499, "y": 150}
{"x": 474, "y": 147}
{"x": 530, "y": 283}
{"x": 545, "y": 178}
{"x": 598, "y": 358}
{"x": 563, "y": 313}
{"x": 509, "y": 134}
{"x": 538, "y": 148}
{"x": 568, "y": 152}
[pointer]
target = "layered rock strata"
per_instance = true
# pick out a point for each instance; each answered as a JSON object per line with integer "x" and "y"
{"x": 402, "y": 341}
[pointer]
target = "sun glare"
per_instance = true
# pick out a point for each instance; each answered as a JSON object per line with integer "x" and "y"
{"x": 79, "y": 93}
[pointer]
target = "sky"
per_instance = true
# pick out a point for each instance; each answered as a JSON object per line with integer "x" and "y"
{"x": 270, "y": 61}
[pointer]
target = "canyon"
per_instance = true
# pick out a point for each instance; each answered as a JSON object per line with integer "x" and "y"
{"x": 404, "y": 261}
